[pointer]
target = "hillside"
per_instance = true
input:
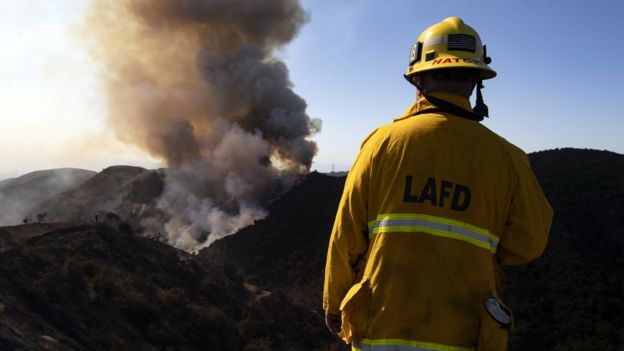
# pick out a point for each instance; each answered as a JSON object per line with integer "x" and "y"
{"x": 93, "y": 287}
{"x": 571, "y": 298}
{"x": 126, "y": 190}
{"x": 286, "y": 250}
{"x": 18, "y": 196}
{"x": 79, "y": 286}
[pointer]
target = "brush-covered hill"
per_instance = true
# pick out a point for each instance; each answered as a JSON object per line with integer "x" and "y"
{"x": 572, "y": 298}
{"x": 80, "y": 286}
{"x": 286, "y": 251}
{"x": 96, "y": 287}
{"x": 18, "y": 196}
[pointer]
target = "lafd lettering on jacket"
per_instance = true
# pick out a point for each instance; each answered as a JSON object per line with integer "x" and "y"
{"x": 436, "y": 193}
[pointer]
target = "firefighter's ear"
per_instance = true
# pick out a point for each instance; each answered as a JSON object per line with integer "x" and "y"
{"x": 419, "y": 94}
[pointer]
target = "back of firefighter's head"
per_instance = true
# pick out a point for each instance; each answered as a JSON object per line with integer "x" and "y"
{"x": 449, "y": 57}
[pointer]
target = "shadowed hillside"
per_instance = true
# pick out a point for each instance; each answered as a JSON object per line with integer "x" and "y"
{"x": 92, "y": 287}
{"x": 80, "y": 287}
{"x": 570, "y": 299}
{"x": 286, "y": 250}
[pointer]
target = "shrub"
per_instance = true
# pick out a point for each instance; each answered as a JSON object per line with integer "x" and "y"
{"x": 135, "y": 306}
{"x": 264, "y": 344}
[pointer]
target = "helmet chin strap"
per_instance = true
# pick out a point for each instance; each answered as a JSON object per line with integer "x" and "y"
{"x": 412, "y": 82}
{"x": 442, "y": 105}
{"x": 480, "y": 108}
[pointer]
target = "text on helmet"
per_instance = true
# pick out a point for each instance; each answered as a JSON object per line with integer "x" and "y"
{"x": 455, "y": 60}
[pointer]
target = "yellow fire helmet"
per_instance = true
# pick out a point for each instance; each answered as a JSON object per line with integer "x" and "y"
{"x": 449, "y": 44}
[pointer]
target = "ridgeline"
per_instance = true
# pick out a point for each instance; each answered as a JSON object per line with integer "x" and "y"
{"x": 87, "y": 286}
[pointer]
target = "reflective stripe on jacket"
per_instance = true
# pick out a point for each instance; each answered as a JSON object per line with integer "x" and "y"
{"x": 432, "y": 202}
{"x": 403, "y": 345}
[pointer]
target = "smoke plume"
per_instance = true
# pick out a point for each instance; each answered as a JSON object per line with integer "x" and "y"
{"x": 196, "y": 83}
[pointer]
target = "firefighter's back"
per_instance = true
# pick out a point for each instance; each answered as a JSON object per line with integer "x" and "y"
{"x": 440, "y": 193}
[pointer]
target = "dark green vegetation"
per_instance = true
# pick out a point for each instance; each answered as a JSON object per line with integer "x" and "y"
{"x": 92, "y": 287}
{"x": 88, "y": 287}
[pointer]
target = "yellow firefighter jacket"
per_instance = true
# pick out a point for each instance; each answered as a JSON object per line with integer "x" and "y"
{"x": 431, "y": 206}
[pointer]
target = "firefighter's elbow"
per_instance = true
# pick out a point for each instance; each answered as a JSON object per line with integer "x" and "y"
{"x": 508, "y": 257}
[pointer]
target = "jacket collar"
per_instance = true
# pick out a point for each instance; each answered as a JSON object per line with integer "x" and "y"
{"x": 423, "y": 104}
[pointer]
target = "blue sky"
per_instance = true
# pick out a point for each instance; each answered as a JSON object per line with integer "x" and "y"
{"x": 558, "y": 83}
{"x": 558, "y": 80}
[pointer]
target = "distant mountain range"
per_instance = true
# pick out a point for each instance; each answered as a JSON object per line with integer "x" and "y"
{"x": 77, "y": 285}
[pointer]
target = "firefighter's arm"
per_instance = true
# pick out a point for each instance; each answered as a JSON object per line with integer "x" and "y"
{"x": 349, "y": 237}
{"x": 528, "y": 222}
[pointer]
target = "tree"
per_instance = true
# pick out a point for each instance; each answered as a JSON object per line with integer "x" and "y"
{"x": 41, "y": 217}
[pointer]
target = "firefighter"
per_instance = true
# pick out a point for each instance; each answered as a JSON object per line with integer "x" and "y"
{"x": 433, "y": 204}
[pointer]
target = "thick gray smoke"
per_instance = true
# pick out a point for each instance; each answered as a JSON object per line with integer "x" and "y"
{"x": 196, "y": 83}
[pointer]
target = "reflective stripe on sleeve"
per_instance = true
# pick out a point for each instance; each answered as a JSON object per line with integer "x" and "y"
{"x": 421, "y": 223}
{"x": 403, "y": 345}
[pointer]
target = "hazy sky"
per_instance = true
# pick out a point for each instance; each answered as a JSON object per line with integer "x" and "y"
{"x": 558, "y": 83}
